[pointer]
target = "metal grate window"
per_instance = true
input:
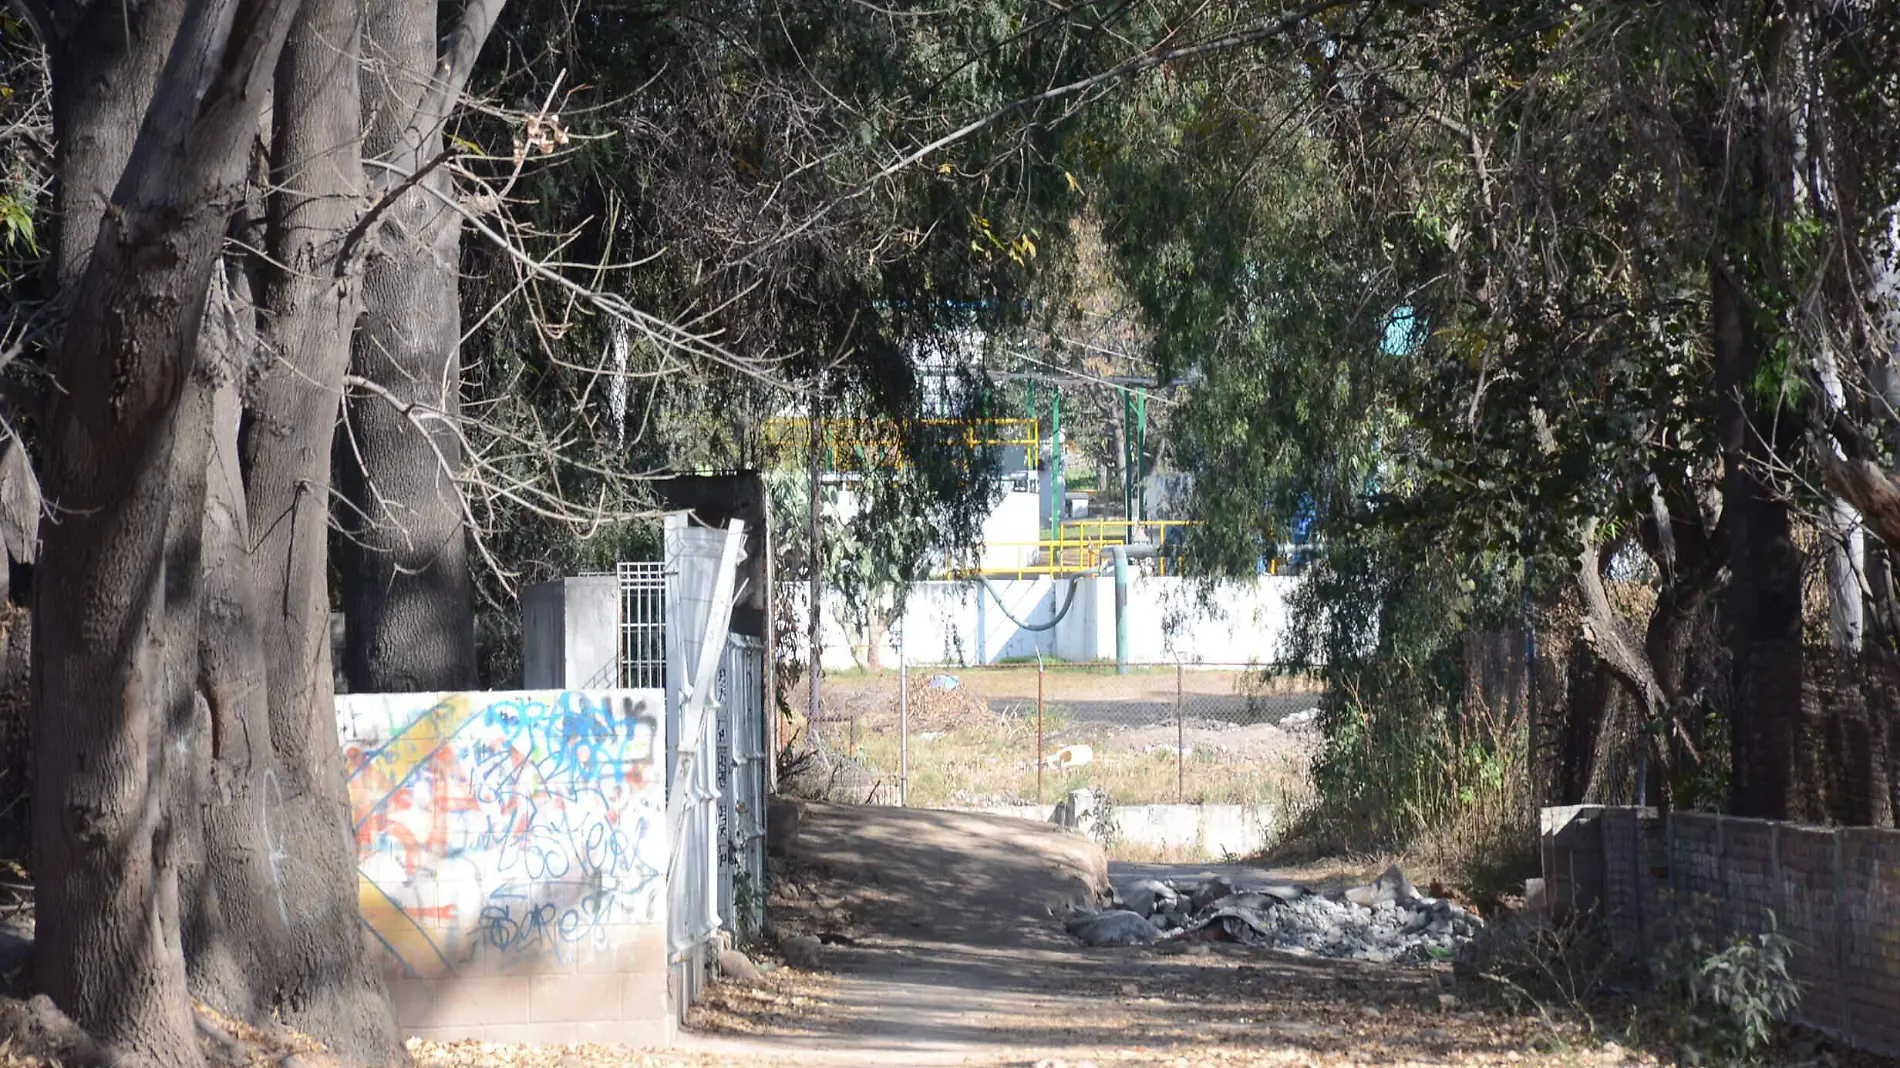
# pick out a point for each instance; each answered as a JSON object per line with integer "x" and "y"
{"x": 642, "y": 625}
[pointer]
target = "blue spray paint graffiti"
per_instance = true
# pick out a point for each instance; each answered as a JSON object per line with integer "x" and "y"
{"x": 525, "y": 825}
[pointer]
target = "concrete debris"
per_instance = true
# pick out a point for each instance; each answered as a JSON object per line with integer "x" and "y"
{"x": 1148, "y": 896}
{"x": 1112, "y": 927}
{"x": 1070, "y": 756}
{"x": 1215, "y": 889}
{"x": 1386, "y": 922}
{"x": 1306, "y": 717}
{"x": 1390, "y": 888}
{"x": 1076, "y": 811}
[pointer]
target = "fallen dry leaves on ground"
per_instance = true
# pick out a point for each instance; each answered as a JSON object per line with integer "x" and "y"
{"x": 757, "y": 1010}
{"x": 775, "y": 1005}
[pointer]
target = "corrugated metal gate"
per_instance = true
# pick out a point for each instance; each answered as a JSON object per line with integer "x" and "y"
{"x": 716, "y": 767}
{"x": 742, "y": 767}
{"x": 692, "y": 879}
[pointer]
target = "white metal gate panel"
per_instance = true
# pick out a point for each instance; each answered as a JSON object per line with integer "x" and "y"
{"x": 742, "y": 768}
{"x": 700, "y": 574}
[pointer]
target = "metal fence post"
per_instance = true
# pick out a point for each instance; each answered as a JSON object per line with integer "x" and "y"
{"x": 903, "y": 720}
{"x": 1180, "y": 739}
{"x": 1039, "y": 730}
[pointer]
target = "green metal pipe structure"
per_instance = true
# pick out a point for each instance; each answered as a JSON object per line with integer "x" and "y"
{"x": 1134, "y": 447}
{"x": 1119, "y": 555}
{"x": 1055, "y": 466}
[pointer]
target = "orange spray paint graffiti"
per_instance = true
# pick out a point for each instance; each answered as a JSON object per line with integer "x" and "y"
{"x": 522, "y": 824}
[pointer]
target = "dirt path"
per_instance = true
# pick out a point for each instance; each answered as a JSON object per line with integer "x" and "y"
{"x": 954, "y": 957}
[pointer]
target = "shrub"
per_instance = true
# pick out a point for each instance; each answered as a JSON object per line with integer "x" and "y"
{"x": 1722, "y": 1006}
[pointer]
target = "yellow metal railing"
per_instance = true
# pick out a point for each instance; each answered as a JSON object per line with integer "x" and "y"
{"x": 1119, "y": 531}
{"x": 1082, "y": 549}
{"x": 854, "y": 442}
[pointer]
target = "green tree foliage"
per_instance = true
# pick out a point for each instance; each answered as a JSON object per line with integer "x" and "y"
{"x": 1452, "y": 279}
{"x": 729, "y": 168}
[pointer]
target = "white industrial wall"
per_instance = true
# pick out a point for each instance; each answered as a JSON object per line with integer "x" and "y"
{"x": 1170, "y": 620}
{"x": 1015, "y": 521}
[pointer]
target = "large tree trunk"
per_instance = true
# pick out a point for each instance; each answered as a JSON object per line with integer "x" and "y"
{"x": 1764, "y": 604}
{"x": 106, "y": 946}
{"x": 326, "y": 983}
{"x": 104, "y": 59}
{"x": 106, "y": 885}
{"x": 234, "y": 925}
{"x": 408, "y": 597}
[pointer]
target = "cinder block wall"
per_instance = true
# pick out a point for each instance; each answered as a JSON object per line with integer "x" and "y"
{"x": 1835, "y": 892}
{"x": 512, "y": 850}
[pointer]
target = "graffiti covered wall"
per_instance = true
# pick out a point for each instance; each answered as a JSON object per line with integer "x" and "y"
{"x": 512, "y": 856}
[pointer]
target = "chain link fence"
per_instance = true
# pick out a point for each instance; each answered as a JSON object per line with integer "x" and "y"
{"x": 1022, "y": 734}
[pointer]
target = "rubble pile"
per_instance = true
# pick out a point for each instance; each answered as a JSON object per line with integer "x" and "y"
{"x": 1386, "y": 921}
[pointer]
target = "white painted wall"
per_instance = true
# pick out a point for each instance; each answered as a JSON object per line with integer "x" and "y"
{"x": 1168, "y": 622}
{"x": 1011, "y": 523}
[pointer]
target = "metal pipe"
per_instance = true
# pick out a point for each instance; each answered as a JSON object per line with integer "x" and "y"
{"x": 903, "y": 720}
{"x": 1038, "y": 730}
{"x": 1055, "y": 464}
{"x": 1119, "y": 554}
{"x": 1180, "y": 741}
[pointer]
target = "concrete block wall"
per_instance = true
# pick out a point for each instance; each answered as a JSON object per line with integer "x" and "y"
{"x": 1622, "y": 861}
{"x": 570, "y": 633}
{"x": 512, "y": 854}
{"x": 1869, "y": 868}
{"x": 1808, "y": 912}
{"x": 1834, "y": 892}
{"x": 1571, "y": 847}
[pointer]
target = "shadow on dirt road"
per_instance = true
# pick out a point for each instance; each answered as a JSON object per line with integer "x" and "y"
{"x": 942, "y": 938}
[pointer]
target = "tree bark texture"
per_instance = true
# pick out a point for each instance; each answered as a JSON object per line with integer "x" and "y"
{"x": 232, "y": 928}
{"x": 104, "y": 59}
{"x": 1764, "y": 603}
{"x": 1611, "y": 639}
{"x": 325, "y": 981}
{"x": 408, "y": 596}
{"x": 107, "y": 938}
{"x": 181, "y": 743}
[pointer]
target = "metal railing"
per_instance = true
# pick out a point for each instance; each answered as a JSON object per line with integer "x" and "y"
{"x": 1082, "y": 548}
{"x": 717, "y": 874}
{"x": 642, "y": 624}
